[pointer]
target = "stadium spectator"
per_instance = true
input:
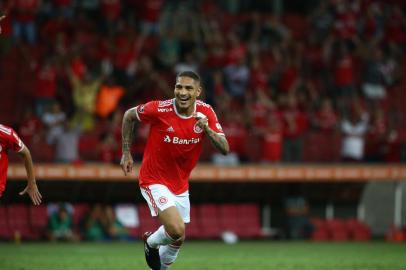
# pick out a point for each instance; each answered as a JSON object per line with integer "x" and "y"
{"x": 354, "y": 130}
{"x": 60, "y": 226}
{"x": 31, "y": 128}
{"x": 107, "y": 149}
{"x": 45, "y": 87}
{"x": 24, "y": 27}
{"x": 9, "y": 141}
{"x": 325, "y": 119}
{"x": 54, "y": 119}
{"x": 298, "y": 222}
{"x": 375, "y": 136}
{"x": 373, "y": 84}
{"x": 84, "y": 97}
{"x": 272, "y": 139}
{"x": 108, "y": 97}
{"x": 67, "y": 143}
{"x": 237, "y": 77}
{"x": 295, "y": 125}
{"x": 94, "y": 224}
{"x": 115, "y": 229}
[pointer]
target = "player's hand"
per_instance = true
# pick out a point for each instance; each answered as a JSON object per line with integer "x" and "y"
{"x": 201, "y": 119}
{"x": 33, "y": 192}
{"x": 127, "y": 163}
{"x": 1, "y": 18}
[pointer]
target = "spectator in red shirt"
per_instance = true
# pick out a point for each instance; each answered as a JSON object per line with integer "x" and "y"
{"x": 237, "y": 135}
{"x": 295, "y": 125}
{"x": 110, "y": 11}
{"x": 325, "y": 119}
{"x": 46, "y": 86}
{"x": 107, "y": 149}
{"x": 24, "y": 26}
{"x": 151, "y": 11}
{"x": 376, "y": 136}
{"x": 272, "y": 139}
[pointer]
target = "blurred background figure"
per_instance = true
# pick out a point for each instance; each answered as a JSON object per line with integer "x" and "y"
{"x": 60, "y": 225}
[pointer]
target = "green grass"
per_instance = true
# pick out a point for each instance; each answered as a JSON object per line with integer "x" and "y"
{"x": 207, "y": 255}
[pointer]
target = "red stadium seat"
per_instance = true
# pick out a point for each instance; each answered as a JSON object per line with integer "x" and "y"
{"x": 38, "y": 220}
{"x": 19, "y": 221}
{"x": 338, "y": 230}
{"x": 147, "y": 222}
{"x": 358, "y": 230}
{"x": 5, "y": 232}
{"x": 249, "y": 221}
{"x": 193, "y": 228}
{"x": 228, "y": 214}
{"x": 320, "y": 232}
{"x": 209, "y": 221}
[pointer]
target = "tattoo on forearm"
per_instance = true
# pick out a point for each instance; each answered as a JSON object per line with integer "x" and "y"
{"x": 218, "y": 141}
{"x": 127, "y": 131}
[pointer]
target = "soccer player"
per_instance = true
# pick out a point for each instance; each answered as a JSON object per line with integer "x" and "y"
{"x": 174, "y": 144}
{"x": 9, "y": 140}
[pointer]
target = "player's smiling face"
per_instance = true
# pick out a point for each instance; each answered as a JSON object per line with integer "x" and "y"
{"x": 186, "y": 92}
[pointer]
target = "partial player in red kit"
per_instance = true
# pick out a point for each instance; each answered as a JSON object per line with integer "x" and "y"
{"x": 178, "y": 127}
{"x": 9, "y": 140}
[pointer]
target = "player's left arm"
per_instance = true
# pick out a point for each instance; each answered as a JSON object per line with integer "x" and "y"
{"x": 218, "y": 140}
{"x": 31, "y": 189}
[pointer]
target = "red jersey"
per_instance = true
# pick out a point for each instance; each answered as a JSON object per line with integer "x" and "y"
{"x": 174, "y": 143}
{"x": 9, "y": 140}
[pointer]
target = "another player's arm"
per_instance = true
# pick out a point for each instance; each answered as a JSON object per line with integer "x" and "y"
{"x": 129, "y": 120}
{"x": 219, "y": 141}
{"x": 31, "y": 188}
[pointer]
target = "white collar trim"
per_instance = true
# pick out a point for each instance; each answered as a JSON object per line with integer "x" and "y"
{"x": 182, "y": 116}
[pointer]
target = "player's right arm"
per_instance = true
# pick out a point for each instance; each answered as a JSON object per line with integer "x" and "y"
{"x": 129, "y": 120}
{"x": 31, "y": 189}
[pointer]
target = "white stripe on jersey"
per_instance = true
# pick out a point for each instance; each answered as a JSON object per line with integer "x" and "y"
{"x": 5, "y": 130}
{"x": 136, "y": 113}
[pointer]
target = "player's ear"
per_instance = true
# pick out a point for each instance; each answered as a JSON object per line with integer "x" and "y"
{"x": 199, "y": 91}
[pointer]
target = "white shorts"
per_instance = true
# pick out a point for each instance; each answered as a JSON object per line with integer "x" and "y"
{"x": 160, "y": 197}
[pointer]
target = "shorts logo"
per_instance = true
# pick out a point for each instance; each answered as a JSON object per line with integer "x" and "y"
{"x": 197, "y": 129}
{"x": 162, "y": 200}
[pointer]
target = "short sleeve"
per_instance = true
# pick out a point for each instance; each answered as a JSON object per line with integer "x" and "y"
{"x": 213, "y": 121}
{"x": 15, "y": 143}
{"x": 147, "y": 112}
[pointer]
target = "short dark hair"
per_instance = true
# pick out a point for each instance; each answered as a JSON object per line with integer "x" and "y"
{"x": 190, "y": 74}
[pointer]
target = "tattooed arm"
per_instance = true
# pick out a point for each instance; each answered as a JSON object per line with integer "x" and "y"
{"x": 129, "y": 120}
{"x": 217, "y": 140}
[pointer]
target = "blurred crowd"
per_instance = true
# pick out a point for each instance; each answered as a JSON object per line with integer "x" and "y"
{"x": 96, "y": 223}
{"x": 320, "y": 86}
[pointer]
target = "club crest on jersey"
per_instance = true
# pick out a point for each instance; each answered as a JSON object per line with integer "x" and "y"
{"x": 162, "y": 200}
{"x": 197, "y": 129}
{"x": 141, "y": 108}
